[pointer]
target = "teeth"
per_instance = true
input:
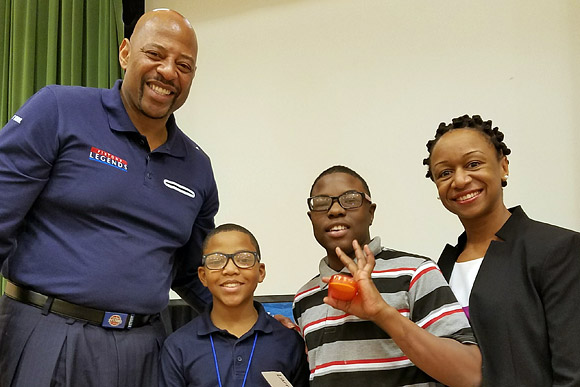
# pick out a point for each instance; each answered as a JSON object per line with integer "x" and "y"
{"x": 231, "y": 285}
{"x": 160, "y": 90}
{"x": 338, "y": 228}
{"x": 468, "y": 196}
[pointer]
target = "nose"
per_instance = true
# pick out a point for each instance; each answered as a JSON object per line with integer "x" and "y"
{"x": 168, "y": 69}
{"x": 336, "y": 209}
{"x": 230, "y": 267}
{"x": 461, "y": 178}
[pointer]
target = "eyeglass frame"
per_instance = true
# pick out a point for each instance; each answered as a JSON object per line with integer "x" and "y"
{"x": 336, "y": 199}
{"x": 230, "y": 257}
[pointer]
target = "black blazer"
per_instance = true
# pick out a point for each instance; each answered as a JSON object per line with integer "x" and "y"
{"x": 525, "y": 304}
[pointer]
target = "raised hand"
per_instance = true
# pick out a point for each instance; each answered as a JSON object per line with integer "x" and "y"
{"x": 368, "y": 301}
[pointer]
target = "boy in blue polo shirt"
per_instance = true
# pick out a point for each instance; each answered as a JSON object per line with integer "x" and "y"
{"x": 234, "y": 340}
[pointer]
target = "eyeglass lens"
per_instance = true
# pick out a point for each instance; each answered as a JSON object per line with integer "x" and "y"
{"x": 243, "y": 260}
{"x": 346, "y": 200}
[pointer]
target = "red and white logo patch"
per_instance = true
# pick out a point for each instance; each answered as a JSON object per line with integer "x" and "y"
{"x": 104, "y": 157}
{"x": 115, "y": 320}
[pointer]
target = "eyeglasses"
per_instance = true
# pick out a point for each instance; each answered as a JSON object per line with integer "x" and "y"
{"x": 348, "y": 200}
{"x": 242, "y": 259}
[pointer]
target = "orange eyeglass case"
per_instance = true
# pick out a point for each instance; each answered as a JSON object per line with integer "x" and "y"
{"x": 342, "y": 287}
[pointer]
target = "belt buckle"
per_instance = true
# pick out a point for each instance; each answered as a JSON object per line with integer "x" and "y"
{"x": 116, "y": 320}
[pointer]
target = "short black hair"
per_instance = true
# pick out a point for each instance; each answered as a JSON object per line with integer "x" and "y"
{"x": 341, "y": 169}
{"x": 494, "y": 136}
{"x": 231, "y": 227}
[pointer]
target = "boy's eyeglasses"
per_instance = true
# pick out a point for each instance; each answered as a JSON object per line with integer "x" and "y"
{"x": 242, "y": 259}
{"x": 347, "y": 200}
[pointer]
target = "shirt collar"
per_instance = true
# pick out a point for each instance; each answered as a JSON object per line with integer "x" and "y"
{"x": 509, "y": 230}
{"x": 263, "y": 324}
{"x": 326, "y": 271}
{"x": 513, "y": 225}
{"x": 119, "y": 121}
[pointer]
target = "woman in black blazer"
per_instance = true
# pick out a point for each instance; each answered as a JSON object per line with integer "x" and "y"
{"x": 517, "y": 279}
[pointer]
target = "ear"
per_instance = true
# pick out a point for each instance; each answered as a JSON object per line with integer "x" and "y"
{"x": 372, "y": 209}
{"x": 201, "y": 275}
{"x": 124, "y": 51}
{"x": 504, "y": 164}
{"x": 262, "y": 273}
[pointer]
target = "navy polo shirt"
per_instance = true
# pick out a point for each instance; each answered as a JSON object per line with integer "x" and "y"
{"x": 89, "y": 214}
{"x": 187, "y": 358}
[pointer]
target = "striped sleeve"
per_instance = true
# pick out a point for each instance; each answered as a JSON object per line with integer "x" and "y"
{"x": 434, "y": 307}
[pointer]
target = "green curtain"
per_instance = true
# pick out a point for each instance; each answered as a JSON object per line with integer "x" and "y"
{"x": 67, "y": 42}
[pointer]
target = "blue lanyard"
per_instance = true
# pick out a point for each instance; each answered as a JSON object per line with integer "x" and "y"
{"x": 216, "y": 362}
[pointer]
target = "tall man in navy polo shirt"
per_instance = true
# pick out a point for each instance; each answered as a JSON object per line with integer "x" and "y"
{"x": 105, "y": 203}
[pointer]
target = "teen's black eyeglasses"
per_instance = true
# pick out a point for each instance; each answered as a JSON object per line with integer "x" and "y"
{"x": 242, "y": 259}
{"x": 348, "y": 200}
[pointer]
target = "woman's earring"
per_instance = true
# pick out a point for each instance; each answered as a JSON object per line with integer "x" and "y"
{"x": 504, "y": 180}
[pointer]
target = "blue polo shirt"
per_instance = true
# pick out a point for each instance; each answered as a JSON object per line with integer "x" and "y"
{"x": 90, "y": 215}
{"x": 187, "y": 358}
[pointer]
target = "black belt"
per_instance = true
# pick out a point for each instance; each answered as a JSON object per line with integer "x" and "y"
{"x": 115, "y": 320}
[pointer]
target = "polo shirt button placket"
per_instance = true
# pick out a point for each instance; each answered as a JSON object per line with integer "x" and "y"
{"x": 148, "y": 172}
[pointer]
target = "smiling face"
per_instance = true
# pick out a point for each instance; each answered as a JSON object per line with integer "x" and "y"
{"x": 231, "y": 286}
{"x": 468, "y": 173}
{"x": 159, "y": 62}
{"x": 338, "y": 227}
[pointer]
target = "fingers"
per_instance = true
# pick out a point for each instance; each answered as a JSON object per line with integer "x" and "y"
{"x": 359, "y": 254}
{"x": 364, "y": 258}
{"x": 347, "y": 261}
{"x": 370, "y": 258}
{"x": 287, "y": 322}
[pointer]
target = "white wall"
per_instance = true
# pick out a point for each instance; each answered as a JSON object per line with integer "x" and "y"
{"x": 287, "y": 88}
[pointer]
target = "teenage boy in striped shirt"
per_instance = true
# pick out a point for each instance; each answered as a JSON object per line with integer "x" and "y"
{"x": 403, "y": 328}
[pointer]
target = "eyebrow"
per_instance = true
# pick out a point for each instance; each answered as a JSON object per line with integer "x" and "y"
{"x": 347, "y": 191}
{"x": 465, "y": 155}
{"x": 162, "y": 48}
{"x": 235, "y": 252}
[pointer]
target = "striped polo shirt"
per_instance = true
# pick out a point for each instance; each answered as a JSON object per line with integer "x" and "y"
{"x": 345, "y": 349}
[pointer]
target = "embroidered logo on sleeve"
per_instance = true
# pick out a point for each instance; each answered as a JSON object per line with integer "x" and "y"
{"x": 179, "y": 188}
{"x": 101, "y": 156}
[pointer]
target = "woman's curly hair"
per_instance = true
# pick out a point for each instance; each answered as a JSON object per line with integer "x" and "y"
{"x": 493, "y": 134}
